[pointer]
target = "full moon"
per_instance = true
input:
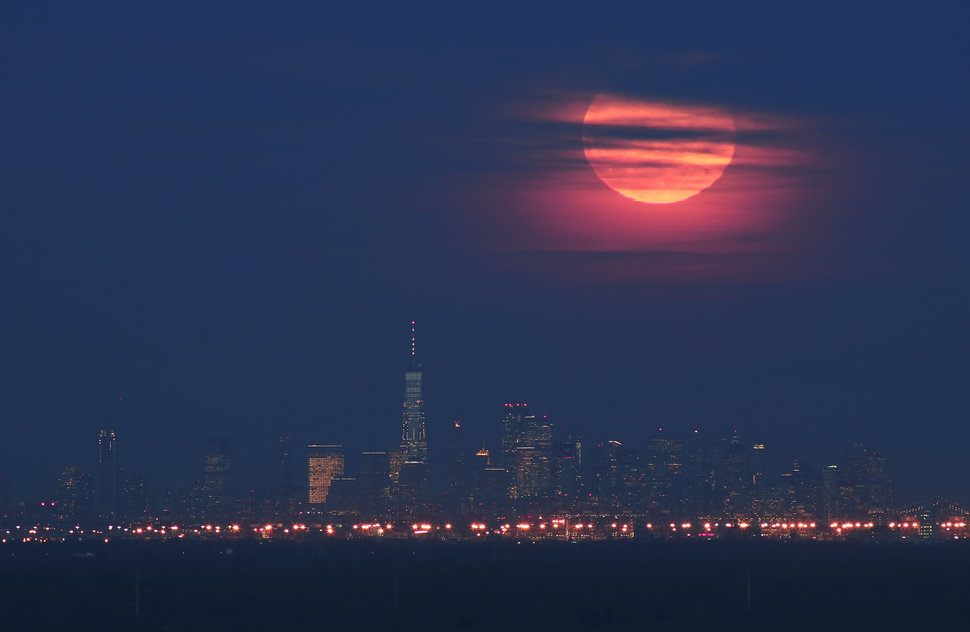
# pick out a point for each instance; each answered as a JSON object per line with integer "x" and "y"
{"x": 653, "y": 152}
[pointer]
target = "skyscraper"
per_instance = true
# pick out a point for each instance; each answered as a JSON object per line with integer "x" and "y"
{"x": 526, "y": 451}
{"x": 414, "y": 436}
{"x": 106, "y": 475}
{"x": 515, "y": 422}
{"x": 324, "y": 463}
{"x": 374, "y": 484}
{"x": 74, "y": 495}
{"x": 456, "y": 469}
{"x": 567, "y": 468}
{"x": 413, "y": 490}
{"x": 869, "y": 488}
{"x": 286, "y": 494}
{"x": 284, "y": 472}
{"x": 215, "y": 479}
{"x": 831, "y": 494}
{"x": 662, "y": 470}
{"x": 134, "y": 497}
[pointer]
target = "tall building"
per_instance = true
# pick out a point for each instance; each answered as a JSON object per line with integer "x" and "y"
{"x": 374, "y": 484}
{"x": 284, "y": 472}
{"x": 758, "y": 480}
{"x": 286, "y": 497}
{"x": 736, "y": 477}
{"x": 526, "y": 452}
{"x": 490, "y": 496}
{"x": 457, "y": 488}
{"x": 414, "y": 434}
{"x": 662, "y": 474}
{"x": 324, "y": 463}
{"x": 106, "y": 475}
{"x": 803, "y": 491}
{"x": 216, "y": 473}
{"x": 525, "y": 474}
{"x": 567, "y": 468}
{"x": 606, "y": 476}
{"x": 395, "y": 461}
{"x": 868, "y": 486}
{"x": 343, "y": 497}
{"x": 515, "y": 423}
{"x": 134, "y": 498}
{"x": 74, "y": 495}
{"x": 700, "y": 487}
{"x": 413, "y": 491}
{"x": 831, "y": 494}
{"x": 185, "y": 503}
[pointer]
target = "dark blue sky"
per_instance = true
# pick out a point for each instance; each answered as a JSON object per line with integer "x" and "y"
{"x": 228, "y": 217}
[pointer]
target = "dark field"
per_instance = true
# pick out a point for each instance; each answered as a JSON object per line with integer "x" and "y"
{"x": 485, "y": 586}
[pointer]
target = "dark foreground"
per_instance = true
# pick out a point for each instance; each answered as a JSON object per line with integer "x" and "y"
{"x": 484, "y": 586}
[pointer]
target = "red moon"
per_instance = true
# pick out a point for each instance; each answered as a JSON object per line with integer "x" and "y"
{"x": 653, "y": 152}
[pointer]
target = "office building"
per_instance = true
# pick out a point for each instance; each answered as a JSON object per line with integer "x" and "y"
{"x": 414, "y": 435}
{"x": 374, "y": 484}
{"x": 106, "y": 487}
{"x": 216, "y": 479}
{"x": 324, "y": 463}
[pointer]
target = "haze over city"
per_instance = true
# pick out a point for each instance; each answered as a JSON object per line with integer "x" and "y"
{"x": 228, "y": 220}
{"x": 348, "y": 314}
{"x": 224, "y": 221}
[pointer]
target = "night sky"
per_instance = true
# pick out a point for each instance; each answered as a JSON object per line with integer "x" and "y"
{"x": 228, "y": 217}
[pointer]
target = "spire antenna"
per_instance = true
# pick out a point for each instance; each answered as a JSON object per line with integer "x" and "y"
{"x": 412, "y": 340}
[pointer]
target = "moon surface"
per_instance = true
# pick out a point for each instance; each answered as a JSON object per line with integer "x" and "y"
{"x": 653, "y": 152}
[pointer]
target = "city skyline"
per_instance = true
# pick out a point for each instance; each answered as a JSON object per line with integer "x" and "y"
{"x": 225, "y": 221}
{"x": 257, "y": 465}
{"x": 479, "y": 317}
{"x": 527, "y": 447}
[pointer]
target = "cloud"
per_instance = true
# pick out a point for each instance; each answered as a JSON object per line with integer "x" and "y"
{"x": 743, "y": 226}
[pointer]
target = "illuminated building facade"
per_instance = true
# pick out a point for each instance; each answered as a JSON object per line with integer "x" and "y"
{"x": 106, "y": 475}
{"x": 324, "y": 463}
{"x": 527, "y": 473}
{"x": 395, "y": 461}
{"x": 516, "y": 420}
{"x": 482, "y": 458}
{"x": 526, "y": 452}
{"x": 414, "y": 436}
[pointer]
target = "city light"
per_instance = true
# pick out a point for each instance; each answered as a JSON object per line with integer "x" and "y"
{"x": 530, "y": 488}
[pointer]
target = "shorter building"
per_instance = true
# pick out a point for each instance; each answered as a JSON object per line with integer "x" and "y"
{"x": 324, "y": 463}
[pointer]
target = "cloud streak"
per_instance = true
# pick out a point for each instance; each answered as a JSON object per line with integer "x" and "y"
{"x": 742, "y": 226}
